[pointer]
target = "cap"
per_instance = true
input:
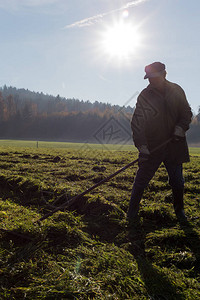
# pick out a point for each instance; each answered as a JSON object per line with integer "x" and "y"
{"x": 155, "y": 69}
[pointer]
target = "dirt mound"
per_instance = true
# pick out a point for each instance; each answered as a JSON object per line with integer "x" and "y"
{"x": 56, "y": 159}
{"x": 98, "y": 169}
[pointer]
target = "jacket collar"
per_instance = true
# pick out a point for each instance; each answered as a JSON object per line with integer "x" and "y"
{"x": 151, "y": 88}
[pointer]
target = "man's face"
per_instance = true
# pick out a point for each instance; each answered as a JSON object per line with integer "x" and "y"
{"x": 157, "y": 82}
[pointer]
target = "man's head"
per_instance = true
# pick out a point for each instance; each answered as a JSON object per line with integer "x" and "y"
{"x": 156, "y": 74}
{"x": 155, "y": 69}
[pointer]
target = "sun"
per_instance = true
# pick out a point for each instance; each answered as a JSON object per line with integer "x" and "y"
{"x": 120, "y": 40}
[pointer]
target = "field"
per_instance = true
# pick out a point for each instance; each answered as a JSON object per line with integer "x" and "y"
{"x": 88, "y": 251}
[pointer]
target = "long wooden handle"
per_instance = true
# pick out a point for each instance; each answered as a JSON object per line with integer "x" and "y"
{"x": 74, "y": 199}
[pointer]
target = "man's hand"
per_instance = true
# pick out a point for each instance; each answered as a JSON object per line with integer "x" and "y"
{"x": 179, "y": 134}
{"x": 143, "y": 153}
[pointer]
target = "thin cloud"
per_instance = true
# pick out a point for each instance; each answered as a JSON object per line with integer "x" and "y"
{"x": 45, "y": 7}
{"x": 33, "y": 3}
{"x": 15, "y": 5}
{"x": 98, "y": 18}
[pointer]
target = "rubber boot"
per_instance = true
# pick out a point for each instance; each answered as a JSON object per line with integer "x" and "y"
{"x": 133, "y": 209}
{"x": 178, "y": 204}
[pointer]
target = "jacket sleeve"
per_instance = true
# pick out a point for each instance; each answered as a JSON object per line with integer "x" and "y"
{"x": 138, "y": 123}
{"x": 185, "y": 113}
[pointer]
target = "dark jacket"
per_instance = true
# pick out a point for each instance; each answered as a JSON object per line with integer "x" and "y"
{"x": 156, "y": 116}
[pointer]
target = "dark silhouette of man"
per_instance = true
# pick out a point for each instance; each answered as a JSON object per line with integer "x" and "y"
{"x": 162, "y": 112}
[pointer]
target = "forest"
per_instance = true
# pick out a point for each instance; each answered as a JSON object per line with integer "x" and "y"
{"x": 31, "y": 115}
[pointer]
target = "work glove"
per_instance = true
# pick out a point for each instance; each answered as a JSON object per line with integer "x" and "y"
{"x": 179, "y": 134}
{"x": 143, "y": 153}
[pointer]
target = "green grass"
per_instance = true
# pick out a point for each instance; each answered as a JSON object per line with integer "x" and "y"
{"x": 88, "y": 251}
{"x": 76, "y": 146}
{"x": 194, "y": 150}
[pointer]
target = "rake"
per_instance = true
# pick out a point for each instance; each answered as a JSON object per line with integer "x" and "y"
{"x": 75, "y": 198}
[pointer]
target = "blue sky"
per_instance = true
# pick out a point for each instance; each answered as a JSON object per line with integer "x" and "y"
{"x": 54, "y": 47}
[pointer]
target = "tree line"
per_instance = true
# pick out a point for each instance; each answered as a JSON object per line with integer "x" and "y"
{"x": 29, "y": 115}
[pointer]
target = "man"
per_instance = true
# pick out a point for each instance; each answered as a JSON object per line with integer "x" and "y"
{"x": 160, "y": 120}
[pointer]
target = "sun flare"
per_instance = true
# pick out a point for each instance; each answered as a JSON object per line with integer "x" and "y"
{"x": 120, "y": 40}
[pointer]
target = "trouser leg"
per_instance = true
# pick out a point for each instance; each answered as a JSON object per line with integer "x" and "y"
{"x": 136, "y": 196}
{"x": 178, "y": 199}
{"x": 176, "y": 181}
{"x": 144, "y": 174}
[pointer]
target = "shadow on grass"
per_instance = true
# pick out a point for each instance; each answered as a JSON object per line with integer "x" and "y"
{"x": 97, "y": 215}
{"x": 157, "y": 284}
{"x": 193, "y": 243}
